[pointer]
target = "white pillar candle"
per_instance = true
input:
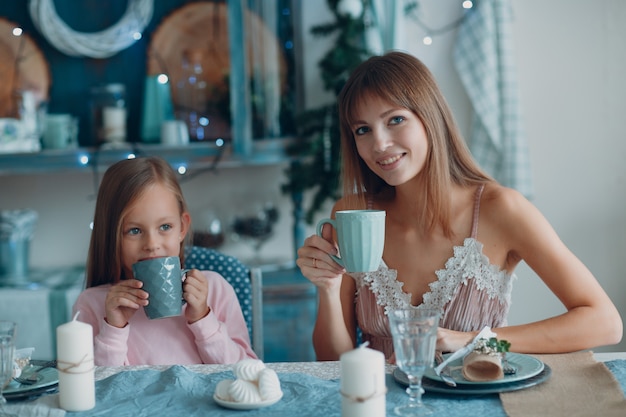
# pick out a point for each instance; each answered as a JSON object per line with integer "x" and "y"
{"x": 114, "y": 124}
{"x": 77, "y": 391}
{"x": 363, "y": 386}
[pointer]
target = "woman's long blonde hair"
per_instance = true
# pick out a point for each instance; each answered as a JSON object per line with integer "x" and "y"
{"x": 403, "y": 80}
{"x": 121, "y": 185}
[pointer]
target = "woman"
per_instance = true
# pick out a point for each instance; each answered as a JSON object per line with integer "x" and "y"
{"x": 453, "y": 235}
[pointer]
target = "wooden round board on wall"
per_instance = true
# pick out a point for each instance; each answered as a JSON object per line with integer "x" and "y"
{"x": 204, "y": 26}
{"x": 22, "y": 67}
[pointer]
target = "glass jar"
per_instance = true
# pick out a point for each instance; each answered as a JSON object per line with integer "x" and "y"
{"x": 108, "y": 113}
{"x": 197, "y": 102}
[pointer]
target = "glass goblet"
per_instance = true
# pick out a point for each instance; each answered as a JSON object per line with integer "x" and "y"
{"x": 7, "y": 348}
{"x": 414, "y": 333}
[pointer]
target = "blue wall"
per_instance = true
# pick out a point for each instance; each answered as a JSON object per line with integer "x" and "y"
{"x": 72, "y": 77}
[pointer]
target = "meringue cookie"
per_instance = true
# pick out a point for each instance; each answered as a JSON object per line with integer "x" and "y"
{"x": 248, "y": 369}
{"x": 221, "y": 390}
{"x": 269, "y": 384}
{"x": 243, "y": 391}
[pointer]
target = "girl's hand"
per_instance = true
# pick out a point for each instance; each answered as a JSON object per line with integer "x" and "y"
{"x": 195, "y": 291}
{"x": 123, "y": 300}
{"x": 316, "y": 264}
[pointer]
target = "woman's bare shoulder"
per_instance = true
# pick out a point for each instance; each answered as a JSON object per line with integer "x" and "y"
{"x": 508, "y": 209}
{"x": 497, "y": 198}
{"x": 510, "y": 222}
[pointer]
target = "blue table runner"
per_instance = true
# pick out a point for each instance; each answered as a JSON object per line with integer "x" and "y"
{"x": 178, "y": 391}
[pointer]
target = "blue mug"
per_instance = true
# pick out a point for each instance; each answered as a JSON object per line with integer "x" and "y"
{"x": 360, "y": 236}
{"x": 163, "y": 280}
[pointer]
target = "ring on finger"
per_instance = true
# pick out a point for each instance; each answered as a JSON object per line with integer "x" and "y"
{"x": 314, "y": 263}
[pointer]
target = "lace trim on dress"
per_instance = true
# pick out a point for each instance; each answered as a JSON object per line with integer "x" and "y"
{"x": 384, "y": 285}
{"x": 468, "y": 262}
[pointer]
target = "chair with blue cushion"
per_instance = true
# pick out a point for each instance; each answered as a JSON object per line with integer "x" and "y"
{"x": 246, "y": 281}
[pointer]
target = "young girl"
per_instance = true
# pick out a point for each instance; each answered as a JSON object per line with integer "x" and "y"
{"x": 140, "y": 214}
{"x": 453, "y": 235}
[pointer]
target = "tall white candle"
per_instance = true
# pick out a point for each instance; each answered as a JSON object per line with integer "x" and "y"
{"x": 77, "y": 391}
{"x": 114, "y": 124}
{"x": 363, "y": 386}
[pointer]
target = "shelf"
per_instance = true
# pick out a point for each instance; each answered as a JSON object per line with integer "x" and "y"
{"x": 191, "y": 156}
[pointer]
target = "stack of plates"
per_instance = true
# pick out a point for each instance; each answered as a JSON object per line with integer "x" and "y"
{"x": 530, "y": 372}
{"x": 48, "y": 380}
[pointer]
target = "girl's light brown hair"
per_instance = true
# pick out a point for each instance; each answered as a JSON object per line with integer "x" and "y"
{"x": 403, "y": 80}
{"x": 121, "y": 185}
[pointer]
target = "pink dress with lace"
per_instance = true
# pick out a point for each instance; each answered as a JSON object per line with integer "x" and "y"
{"x": 469, "y": 292}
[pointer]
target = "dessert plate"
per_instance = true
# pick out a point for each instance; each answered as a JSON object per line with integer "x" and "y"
{"x": 433, "y": 386}
{"x": 246, "y": 406}
{"x": 527, "y": 367}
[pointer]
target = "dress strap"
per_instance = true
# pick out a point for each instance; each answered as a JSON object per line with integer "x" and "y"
{"x": 479, "y": 193}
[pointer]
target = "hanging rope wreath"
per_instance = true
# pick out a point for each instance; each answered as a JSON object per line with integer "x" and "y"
{"x": 101, "y": 44}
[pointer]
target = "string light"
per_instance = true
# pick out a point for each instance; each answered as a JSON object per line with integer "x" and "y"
{"x": 413, "y": 12}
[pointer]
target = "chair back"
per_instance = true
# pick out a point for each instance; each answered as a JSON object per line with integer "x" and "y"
{"x": 247, "y": 283}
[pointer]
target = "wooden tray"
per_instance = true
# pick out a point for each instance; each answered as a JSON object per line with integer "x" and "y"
{"x": 22, "y": 67}
{"x": 203, "y": 26}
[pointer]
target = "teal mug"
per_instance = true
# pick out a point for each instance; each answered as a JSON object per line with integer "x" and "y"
{"x": 60, "y": 131}
{"x": 163, "y": 280}
{"x": 361, "y": 238}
